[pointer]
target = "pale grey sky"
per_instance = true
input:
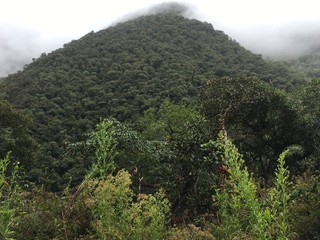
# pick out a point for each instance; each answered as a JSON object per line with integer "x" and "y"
{"x": 271, "y": 27}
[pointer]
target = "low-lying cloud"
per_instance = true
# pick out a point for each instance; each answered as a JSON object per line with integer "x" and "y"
{"x": 16, "y": 47}
{"x": 282, "y": 42}
{"x": 19, "y": 45}
{"x": 177, "y": 8}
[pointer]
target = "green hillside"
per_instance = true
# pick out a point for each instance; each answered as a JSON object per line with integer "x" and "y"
{"x": 121, "y": 72}
{"x": 159, "y": 128}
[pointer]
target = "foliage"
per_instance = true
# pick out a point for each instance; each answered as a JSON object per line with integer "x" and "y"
{"x": 49, "y": 216}
{"x": 105, "y": 152}
{"x": 146, "y": 72}
{"x": 167, "y": 121}
{"x": 239, "y": 208}
{"x": 129, "y": 150}
{"x": 308, "y": 63}
{"x": 279, "y": 199}
{"x": 9, "y": 190}
{"x": 309, "y": 96}
{"x": 46, "y": 215}
{"x": 190, "y": 232}
{"x": 241, "y": 212}
{"x": 174, "y": 159}
{"x": 150, "y": 216}
{"x": 307, "y": 107}
{"x": 102, "y": 205}
{"x": 256, "y": 117}
{"x": 15, "y": 135}
{"x": 185, "y": 168}
{"x": 122, "y": 71}
{"x": 304, "y": 212}
{"x": 117, "y": 216}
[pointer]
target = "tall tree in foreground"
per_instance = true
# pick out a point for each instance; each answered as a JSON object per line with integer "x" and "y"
{"x": 185, "y": 170}
{"x": 255, "y": 115}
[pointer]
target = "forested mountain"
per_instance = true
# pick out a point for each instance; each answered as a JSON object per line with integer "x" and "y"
{"x": 122, "y": 71}
{"x": 159, "y": 127}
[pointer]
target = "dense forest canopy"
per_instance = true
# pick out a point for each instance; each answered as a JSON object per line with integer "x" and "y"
{"x": 124, "y": 70}
{"x": 151, "y": 118}
{"x": 308, "y": 63}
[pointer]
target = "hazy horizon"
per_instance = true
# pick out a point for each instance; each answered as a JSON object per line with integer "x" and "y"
{"x": 273, "y": 29}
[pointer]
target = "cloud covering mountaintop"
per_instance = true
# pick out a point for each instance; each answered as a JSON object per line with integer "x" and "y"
{"x": 272, "y": 28}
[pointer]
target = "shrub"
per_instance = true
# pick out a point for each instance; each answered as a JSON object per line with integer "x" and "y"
{"x": 242, "y": 214}
{"x": 118, "y": 216}
{"x": 117, "y": 213}
{"x": 9, "y": 190}
{"x": 46, "y": 215}
{"x": 190, "y": 232}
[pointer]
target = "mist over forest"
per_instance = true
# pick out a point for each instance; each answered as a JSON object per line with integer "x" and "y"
{"x": 18, "y": 46}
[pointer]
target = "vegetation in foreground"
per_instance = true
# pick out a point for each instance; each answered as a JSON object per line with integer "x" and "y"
{"x": 170, "y": 180}
{"x": 105, "y": 206}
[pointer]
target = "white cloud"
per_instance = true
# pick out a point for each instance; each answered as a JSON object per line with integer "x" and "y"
{"x": 260, "y": 25}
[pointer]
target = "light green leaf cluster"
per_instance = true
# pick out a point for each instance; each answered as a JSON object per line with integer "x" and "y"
{"x": 105, "y": 145}
{"x": 279, "y": 198}
{"x": 117, "y": 212}
{"x": 119, "y": 215}
{"x": 242, "y": 213}
{"x": 8, "y": 194}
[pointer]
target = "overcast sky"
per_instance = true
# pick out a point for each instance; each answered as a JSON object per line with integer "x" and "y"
{"x": 271, "y": 27}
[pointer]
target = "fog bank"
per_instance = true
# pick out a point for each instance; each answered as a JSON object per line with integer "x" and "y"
{"x": 271, "y": 28}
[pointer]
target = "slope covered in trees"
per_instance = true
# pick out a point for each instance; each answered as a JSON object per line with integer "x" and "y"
{"x": 212, "y": 143}
{"x": 122, "y": 71}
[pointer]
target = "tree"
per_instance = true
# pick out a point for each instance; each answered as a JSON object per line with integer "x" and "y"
{"x": 15, "y": 134}
{"x": 255, "y": 116}
{"x": 309, "y": 109}
{"x": 167, "y": 121}
{"x": 185, "y": 169}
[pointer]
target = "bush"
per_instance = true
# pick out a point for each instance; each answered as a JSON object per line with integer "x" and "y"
{"x": 241, "y": 213}
{"x": 117, "y": 213}
{"x": 9, "y": 190}
{"x": 118, "y": 216}
{"x": 47, "y": 215}
{"x": 190, "y": 232}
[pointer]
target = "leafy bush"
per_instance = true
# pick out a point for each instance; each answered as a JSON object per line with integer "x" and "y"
{"x": 241, "y": 213}
{"x": 46, "y": 215}
{"x": 118, "y": 216}
{"x": 190, "y": 232}
{"x": 9, "y": 190}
